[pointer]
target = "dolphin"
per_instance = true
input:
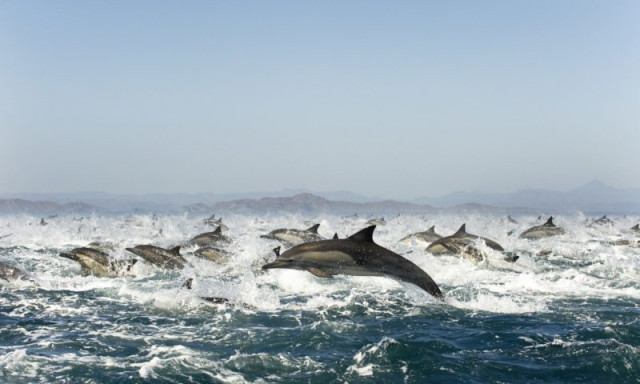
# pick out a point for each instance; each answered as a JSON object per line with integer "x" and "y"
{"x": 547, "y": 229}
{"x": 380, "y": 221}
{"x": 216, "y": 300}
{"x": 213, "y": 254}
{"x": 96, "y": 262}
{"x": 164, "y": 258}
{"x": 462, "y": 244}
{"x": 293, "y": 237}
{"x": 209, "y": 238}
{"x": 428, "y": 236}
{"x": 212, "y": 221}
{"x": 357, "y": 255}
{"x": 604, "y": 220}
{"x": 635, "y": 228}
{"x": 11, "y": 274}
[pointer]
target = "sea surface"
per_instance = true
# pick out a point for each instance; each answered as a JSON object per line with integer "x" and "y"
{"x": 572, "y": 316}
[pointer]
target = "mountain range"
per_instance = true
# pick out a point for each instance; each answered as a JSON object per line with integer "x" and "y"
{"x": 593, "y": 197}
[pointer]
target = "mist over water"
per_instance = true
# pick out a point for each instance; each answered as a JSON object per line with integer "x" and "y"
{"x": 570, "y": 316}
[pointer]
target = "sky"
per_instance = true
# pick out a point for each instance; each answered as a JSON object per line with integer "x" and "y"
{"x": 394, "y": 99}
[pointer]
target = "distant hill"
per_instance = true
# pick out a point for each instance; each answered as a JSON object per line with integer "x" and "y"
{"x": 594, "y": 196}
{"x": 44, "y": 207}
{"x": 307, "y": 203}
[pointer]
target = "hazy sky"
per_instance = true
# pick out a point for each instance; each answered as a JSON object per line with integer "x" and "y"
{"x": 393, "y": 99}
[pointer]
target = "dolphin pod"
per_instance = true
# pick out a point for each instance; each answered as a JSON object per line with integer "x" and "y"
{"x": 357, "y": 255}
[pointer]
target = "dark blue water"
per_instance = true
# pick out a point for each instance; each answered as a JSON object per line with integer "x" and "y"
{"x": 570, "y": 317}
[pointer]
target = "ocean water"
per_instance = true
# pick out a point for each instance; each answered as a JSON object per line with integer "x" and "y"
{"x": 569, "y": 317}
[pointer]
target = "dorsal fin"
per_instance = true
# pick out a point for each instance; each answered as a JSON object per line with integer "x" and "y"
{"x": 636, "y": 227}
{"x": 276, "y": 250}
{"x": 432, "y": 229}
{"x": 462, "y": 230}
{"x": 549, "y": 221}
{"x": 175, "y": 250}
{"x": 335, "y": 236}
{"x": 603, "y": 217}
{"x": 218, "y": 230}
{"x": 364, "y": 235}
{"x": 313, "y": 229}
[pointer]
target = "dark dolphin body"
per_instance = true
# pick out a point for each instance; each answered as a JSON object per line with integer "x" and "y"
{"x": 96, "y": 262}
{"x": 11, "y": 274}
{"x": 210, "y": 238}
{"x": 164, "y": 258}
{"x": 547, "y": 229}
{"x": 291, "y": 237}
{"x": 428, "y": 236}
{"x": 356, "y": 255}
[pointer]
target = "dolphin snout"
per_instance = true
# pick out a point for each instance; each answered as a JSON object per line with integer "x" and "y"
{"x": 275, "y": 264}
{"x": 68, "y": 255}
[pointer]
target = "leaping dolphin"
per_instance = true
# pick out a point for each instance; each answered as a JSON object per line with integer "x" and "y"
{"x": 547, "y": 229}
{"x": 212, "y": 221}
{"x": 377, "y": 221}
{"x": 210, "y": 238}
{"x": 164, "y": 258}
{"x": 604, "y": 220}
{"x": 96, "y": 262}
{"x": 293, "y": 237}
{"x": 357, "y": 255}
{"x": 428, "y": 236}
{"x": 461, "y": 244}
{"x": 11, "y": 274}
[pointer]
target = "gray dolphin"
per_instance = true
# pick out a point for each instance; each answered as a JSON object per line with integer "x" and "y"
{"x": 212, "y": 221}
{"x": 380, "y": 221}
{"x": 96, "y": 262}
{"x": 461, "y": 244}
{"x": 604, "y": 220}
{"x": 11, "y": 274}
{"x": 213, "y": 254}
{"x": 209, "y": 238}
{"x": 547, "y": 229}
{"x": 293, "y": 237}
{"x": 356, "y": 255}
{"x": 428, "y": 236}
{"x": 164, "y": 258}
